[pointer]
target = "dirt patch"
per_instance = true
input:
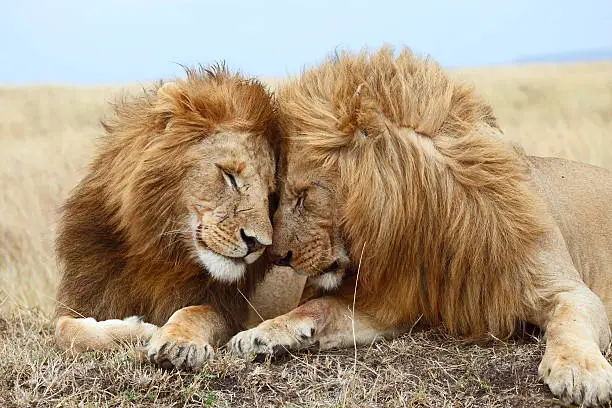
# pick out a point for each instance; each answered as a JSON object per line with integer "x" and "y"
{"x": 424, "y": 369}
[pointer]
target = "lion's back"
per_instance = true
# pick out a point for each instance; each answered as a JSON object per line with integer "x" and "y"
{"x": 579, "y": 197}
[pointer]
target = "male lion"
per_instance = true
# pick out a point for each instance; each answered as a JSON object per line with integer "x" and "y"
{"x": 171, "y": 221}
{"x": 398, "y": 189}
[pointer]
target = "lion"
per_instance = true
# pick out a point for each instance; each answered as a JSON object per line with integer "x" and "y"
{"x": 402, "y": 201}
{"x": 170, "y": 225}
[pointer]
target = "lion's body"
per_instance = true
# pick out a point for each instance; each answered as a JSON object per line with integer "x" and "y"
{"x": 111, "y": 287}
{"x": 103, "y": 282}
{"x": 170, "y": 222}
{"x": 401, "y": 192}
{"x": 579, "y": 198}
{"x": 577, "y": 222}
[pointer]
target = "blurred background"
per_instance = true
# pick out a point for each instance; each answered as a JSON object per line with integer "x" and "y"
{"x": 77, "y": 42}
{"x": 545, "y": 67}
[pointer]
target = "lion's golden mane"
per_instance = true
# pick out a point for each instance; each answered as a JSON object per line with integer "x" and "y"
{"x": 443, "y": 215}
{"x": 116, "y": 244}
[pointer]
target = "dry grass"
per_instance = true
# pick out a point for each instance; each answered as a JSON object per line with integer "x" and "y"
{"x": 553, "y": 110}
{"x": 425, "y": 369}
{"x": 46, "y": 140}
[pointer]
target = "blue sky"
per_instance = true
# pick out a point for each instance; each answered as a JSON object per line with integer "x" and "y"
{"x": 93, "y": 42}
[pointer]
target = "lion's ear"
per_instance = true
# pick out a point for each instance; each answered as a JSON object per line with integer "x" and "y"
{"x": 171, "y": 101}
{"x": 168, "y": 97}
{"x": 167, "y": 88}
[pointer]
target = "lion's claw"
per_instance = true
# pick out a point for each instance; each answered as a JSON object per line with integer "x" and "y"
{"x": 271, "y": 338}
{"x": 183, "y": 354}
{"x": 583, "y": 378}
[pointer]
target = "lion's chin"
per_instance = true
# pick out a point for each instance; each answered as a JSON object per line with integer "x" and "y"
{"x": 221, "y": 268}
{"x": 328, "y": 281}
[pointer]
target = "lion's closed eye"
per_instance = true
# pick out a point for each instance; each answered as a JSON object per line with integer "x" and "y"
{"x": 229, "y": 178}
{"x": 299, "y": 203}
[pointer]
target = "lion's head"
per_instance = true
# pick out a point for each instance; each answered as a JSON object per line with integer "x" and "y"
{"x": 175, "y": 207}
{"x": 195, "y": 183}
{"x": 308, "y": 234}
{"x": 389, "y": 165}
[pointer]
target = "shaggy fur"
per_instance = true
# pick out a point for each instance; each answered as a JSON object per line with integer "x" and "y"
{"x": 118, "y": 242}
{"x": 447, "y": 206}
{"x": 402, "y": 202}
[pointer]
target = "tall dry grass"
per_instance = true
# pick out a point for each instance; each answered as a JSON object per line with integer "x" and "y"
{"x": 552, "y": 110}
{"x": 47, "y": 135}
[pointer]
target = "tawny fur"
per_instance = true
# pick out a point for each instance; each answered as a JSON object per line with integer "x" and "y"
{"x": 388, "y": 158}
{"x": 117, "y": 244}
{"x": 439, "y": 208}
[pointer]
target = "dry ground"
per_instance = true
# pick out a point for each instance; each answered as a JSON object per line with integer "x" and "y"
{"x": 424, "y": 369}
{"x": 46, "y": 139}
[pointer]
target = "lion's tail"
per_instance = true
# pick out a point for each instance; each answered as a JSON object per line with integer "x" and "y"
{"x": 85, "y": 334}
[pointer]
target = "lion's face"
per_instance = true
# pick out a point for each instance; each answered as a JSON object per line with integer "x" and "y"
{"x": 206, "y": 150}
{"x": 307, "y": 233}
{"x": 226, "y": 203}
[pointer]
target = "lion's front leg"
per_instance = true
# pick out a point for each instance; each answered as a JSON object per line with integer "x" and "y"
{"x": 186, "y": 340}
{"x": 326, "y": 321}
{"x": 577, "y": 332}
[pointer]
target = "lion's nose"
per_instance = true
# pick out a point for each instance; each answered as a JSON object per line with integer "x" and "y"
{"x": 285, "y": 260}
{"x": 252, "y": 243}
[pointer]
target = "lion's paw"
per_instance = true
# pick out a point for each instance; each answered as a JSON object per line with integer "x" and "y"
{"x": 583, "y": 377}
{"x": 271, "y": 337}
{"x": 168, "y": 352}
